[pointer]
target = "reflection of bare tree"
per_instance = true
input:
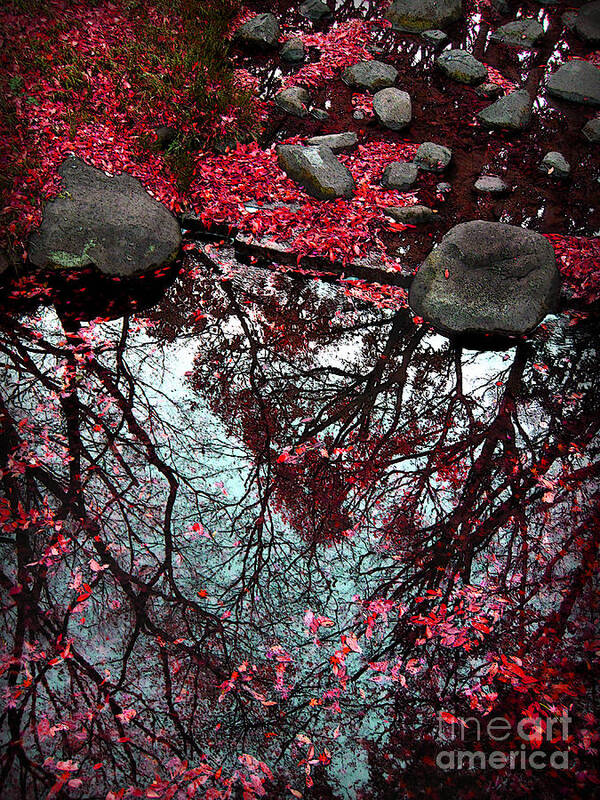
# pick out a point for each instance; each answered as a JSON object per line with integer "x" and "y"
{"x": 183, "y": 552}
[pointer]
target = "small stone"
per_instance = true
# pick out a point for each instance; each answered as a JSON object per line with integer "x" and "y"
{"x": 511, "y": 112}
{"x": 319, "y": 114}
{"x": 591, "y": 130}
{"x": 587, "y": 24}
{"x": 335, "y": 141}
{"x": 411, "y": 215}
{"x": 576, "y": 81}
{"x": 443, "y": 187}
{"x": 314, "y": 10}
{"x": 556, "y": 165}
{"x": 422, "y": 15}
{"x": 370, "y": 75}
{"x": 490, "y": 184}
{"x": 261, "y": 32}
{"x": 491, "y": 91}
{"x": 432, "y": 157}
{"x": 523, "y": 33}
{"x": 317, "y": 170}
{"x": 293, "y": 101}
{"x": 392, "y": 108}
{"x": 293, "y": 50}
{"x": 435, "y": 37}
{"x": 399, "y": 175}
{"x": 461, "y": 66}
{"x": 358, "y": 114}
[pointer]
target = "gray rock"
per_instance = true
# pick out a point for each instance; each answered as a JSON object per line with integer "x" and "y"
{"x": 435, "y": 37}
{"x": 317, "y": 170}
{"x": 358, "y": 114}
{"x": 489, "y": 90}
{"x": 511, "y": 112}
{"x": 260, "y": 32}
{"x": 443, "y": 187}
{"x": 491, "y": 184}
{"x": 587, "y": 24}
{"x": 335, "y": 141}
{"x": 293, "y": 50}
{"x": 370, "y": 75}
{"x": 523, "y": 33}
{"x": 320, "y": 114}
{"x": 399, "y": 175}
{"x": 392, "y": 108}
{"x": 422, "y": 15}
{"x": 501, "y": 279}
{"x": 591, "y": 130}
{"x": 461, "y": 67}
{"x": 411, "y": 215}
{"x": 432, "y": 157}
{"x": 110, "y": 223}
{"x": 294, "y": 100}
{"x": 556, "y": 165}
{"x": 568, "y": 19}
{"x": 315, "y": 10}
{"x": 577, "y": 82}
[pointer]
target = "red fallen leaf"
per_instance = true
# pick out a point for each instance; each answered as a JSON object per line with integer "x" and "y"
{"x": 446, "y": 273}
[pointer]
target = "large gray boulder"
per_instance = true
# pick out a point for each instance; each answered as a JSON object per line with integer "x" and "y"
{"x": 486, "y": 277}
{"x": 422, "y": 15}
{"x": 587, "y": 23}
{"x": 577, "y": 82}
{"x": 523, "y": 33}
{"x": 110, "y": 223}
{"x": 317, "y": 170}
{"x": 392, "y": 108}
{"x": 260, "y": 32}
{"x": 462, "y": 67}
{"x": 511, "y": 112}
{"x": 370, "y": 75}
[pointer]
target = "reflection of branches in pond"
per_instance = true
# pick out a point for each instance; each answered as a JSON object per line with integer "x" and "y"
{"x": 271, "y": 507}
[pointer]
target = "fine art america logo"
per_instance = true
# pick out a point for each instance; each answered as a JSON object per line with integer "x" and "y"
{"x": 528, "y": 737}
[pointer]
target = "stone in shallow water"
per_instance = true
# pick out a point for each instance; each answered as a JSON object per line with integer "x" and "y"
{"x": 435, "y": 37}
{"x": 432, "y": 157}
{"x": 577, "y": 82}
{"x": 491, "y": 184}
{"x": 520, "y": 33}
{"x": 489, "y": 90}
{"x": 487, "y": 278}
{"x": 462, "y": 67}
{"x": 511, "y": 112}
{"x": 587, "y": 23}
{"x": 370, "y": 75}
{"x": 335, "y": 141}
{"x": 393, "y": 108}
{"x": 261, "y": 32}
{"x": 110, "y": 223}
{"x": 317, "y": 170}
{"x": 411, "y": 215}
{"x": 293, "y": 101}
{"x": 591, "y": 130}
{"x": 315, "y": 10}
{"x": 399, "y": 175}
{"x": 555, "y": 164}
{"x": 422, "y": 15}
{"x": 293, "y": 50}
